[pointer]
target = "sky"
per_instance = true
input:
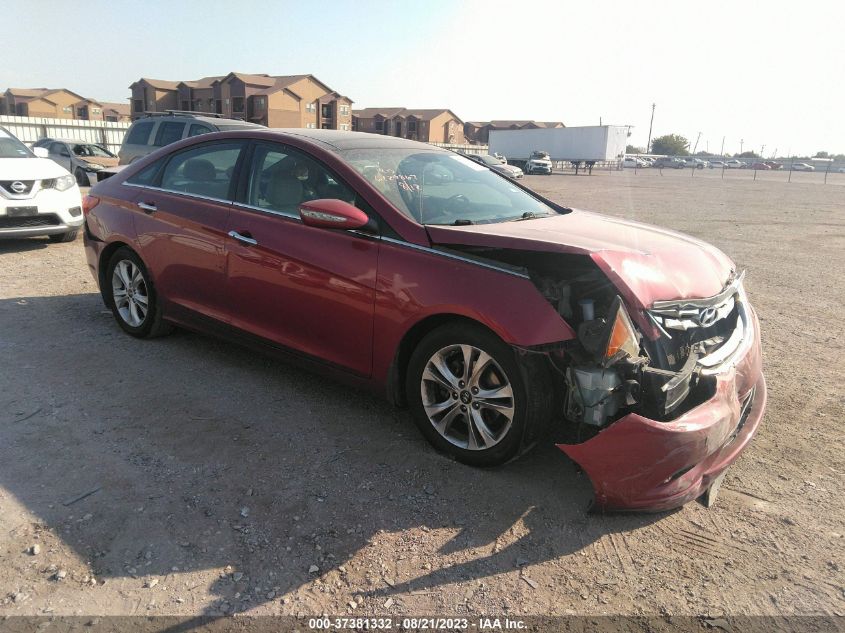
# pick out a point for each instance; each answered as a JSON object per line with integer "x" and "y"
{"x": 758, "y": 74}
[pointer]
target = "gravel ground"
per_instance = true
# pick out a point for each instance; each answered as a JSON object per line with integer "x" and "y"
{"x": 221, "y": 481}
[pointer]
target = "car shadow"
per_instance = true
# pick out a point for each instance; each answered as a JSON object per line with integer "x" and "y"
{"x": 202, "y": 456}
{"x": 23, "y": 244}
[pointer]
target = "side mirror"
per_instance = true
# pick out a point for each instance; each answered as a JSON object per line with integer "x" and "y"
{"x": 332, "y": 214}
{"x": 41, "y": 152}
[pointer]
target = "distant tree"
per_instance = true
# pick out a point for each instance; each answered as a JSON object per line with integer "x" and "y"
{"x": 748, "y": 155}
{"x": 705, "y": 154}
{"x": 671, "y": 144}
{"x": 630, "y": 149}
{"x": 839, "y": 157}
{"x": 822, "y": 155}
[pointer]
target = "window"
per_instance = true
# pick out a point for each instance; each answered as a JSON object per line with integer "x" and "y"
{"x": 139, "y": 133}
{"x": 259, "y": 102}
{"x": 138, "y": 105}
{"x": 327, "y": 111}
{"x": 168, "y": 132}
{"x": 282, "y": 178}
{"x": 197, "y": 129}
{"x": 379, "y": 125}
{"x": 204, "y": 171}
{"x": 59, "y": 149}
{"x": 96, "y": 110}
{"x": 147, "y": 175}
{"x": 344, "y": 110}
{"x": 186, "y": 105}
{"x": 67, "y": 109}
{"x": 311, "y": 107}
{"x": 237, "y": 104}
{"x": 311, "y": 126}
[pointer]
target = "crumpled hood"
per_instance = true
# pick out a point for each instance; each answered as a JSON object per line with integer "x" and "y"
{"x": 646, "y": 263}
{"x": 30, "y": 169}
{"x": 105, "y": 161}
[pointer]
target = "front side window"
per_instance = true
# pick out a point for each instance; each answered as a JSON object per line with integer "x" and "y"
{"x": 434, "y": 187}
{"x": 204, "y": 171}
{"x": 168, "y": 132}
{"x": 59, "y": 149}
{"x": 139, "y": 133}
{"x": 282, "y": 178}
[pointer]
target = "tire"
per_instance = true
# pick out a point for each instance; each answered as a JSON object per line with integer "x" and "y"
{"x": 127, "y": 277}
{"x": 499, "y": 422}
{"x": 81, "y": 178}
{"x": 63, "y": 237}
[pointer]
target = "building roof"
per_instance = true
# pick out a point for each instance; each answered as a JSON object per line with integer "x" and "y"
{"x": 28, "y": 92}
{"x": 516, "y": 123}
{"x": 340, "y": 140}
{"x": 120, "y": 108}
{"x": 161, "y": 84}
{"x": 205, "y": 82}
{"x": 389, "y": 113}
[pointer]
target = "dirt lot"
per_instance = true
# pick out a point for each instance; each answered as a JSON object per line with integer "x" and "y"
{"x": 228, "y": 482}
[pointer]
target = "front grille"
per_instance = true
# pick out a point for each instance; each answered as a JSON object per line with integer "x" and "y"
{"x": 7, "y": 186}
{"x": 48, "y": 219}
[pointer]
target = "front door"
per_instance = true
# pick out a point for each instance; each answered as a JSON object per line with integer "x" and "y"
{"x": 310, "y": 290}
{"x": 181, "y": 220}
{"x": 60, "y": 153}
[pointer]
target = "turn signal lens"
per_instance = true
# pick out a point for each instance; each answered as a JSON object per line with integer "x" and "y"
{"x": 88, "y": 203}
{"x": 623, "y": 337}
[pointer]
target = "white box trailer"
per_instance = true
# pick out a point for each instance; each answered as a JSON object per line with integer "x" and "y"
{"x": 582, "y": 144}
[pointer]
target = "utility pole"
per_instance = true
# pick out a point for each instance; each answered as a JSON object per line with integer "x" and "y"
{"x": 741, "y": 141}
{"x": 722, "y": 153}
{"x": 648, "y": 146}
{"x": 762, "y": 150}
{"x": 696, "y": 143}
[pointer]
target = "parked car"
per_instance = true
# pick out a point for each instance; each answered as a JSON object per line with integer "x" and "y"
{"x": 489, "y": 310}
{"x": 155, "y": 130}
{"x": 37, "y": 196}
{"x": 695, "y": 163}
{"x": 760, "y": 165}
{"x": 840, "y": 170}
{"x": 634, "y": 162}
{"x": 501, "y": 158}
{"x": 774, "y": 164}
{"x": 665, "y": 162}
{"x": 716, "y": 164}
{"x": 802, "y": 167}
{"x": 539, "y": 163}
{"x": 83, "y": 159}
{"x": 511, "y": 171}
{"x": 735, "y": 164}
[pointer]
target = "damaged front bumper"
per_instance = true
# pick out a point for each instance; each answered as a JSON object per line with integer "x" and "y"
{"x": 638, "y": 463}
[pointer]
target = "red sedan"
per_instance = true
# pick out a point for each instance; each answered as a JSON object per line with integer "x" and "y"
{"x": 497, "y": 316}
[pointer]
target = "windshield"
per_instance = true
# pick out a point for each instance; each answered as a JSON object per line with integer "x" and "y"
{"x": 88, "y": 149}
{"x": 10, "y": 147}
{"x": 436, "y": 187}
{"x": 489, "y": 160}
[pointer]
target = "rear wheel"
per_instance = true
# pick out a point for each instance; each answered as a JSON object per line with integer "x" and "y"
{"x": 64, "y": 237}
{"x": 467, "y": 395}
{"x": 132, "y": 297}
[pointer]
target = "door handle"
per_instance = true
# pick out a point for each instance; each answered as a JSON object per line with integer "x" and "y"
{"x": 147, "y": 207}
{"x": 246, "y": 239}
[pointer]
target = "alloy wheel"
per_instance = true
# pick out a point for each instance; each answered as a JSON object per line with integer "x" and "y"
{"x": 130, "y": 293}
{"x": 467, "y": 397}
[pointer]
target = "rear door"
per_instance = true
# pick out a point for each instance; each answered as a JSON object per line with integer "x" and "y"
{"x": 181, "y": 225}
{"x": 308, "y": 289}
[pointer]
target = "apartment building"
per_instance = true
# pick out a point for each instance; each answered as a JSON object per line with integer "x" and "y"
{"x": 479, "y": 131}
{"x": 275, "y": 101}
{"x": 429, "y": 126}
{"x": 55, "y": 103}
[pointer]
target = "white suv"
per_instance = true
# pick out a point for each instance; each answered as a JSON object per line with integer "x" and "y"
{"x": 37, "y": 196}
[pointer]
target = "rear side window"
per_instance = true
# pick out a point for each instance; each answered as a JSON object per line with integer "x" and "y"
{"x": 204, "y": 171}
{"x": 139, "y": 134}
{"x": 168, "y": 132}
{"x": 147, "y": 175}
{"x": 197, "y": 129}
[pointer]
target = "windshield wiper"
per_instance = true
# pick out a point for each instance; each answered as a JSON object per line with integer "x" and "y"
{"x": 462, "y": 222}
{"x": 528, "y": 215}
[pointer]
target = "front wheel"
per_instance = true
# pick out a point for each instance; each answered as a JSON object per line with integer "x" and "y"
{"x": 63, "y": 237}
{"x": 82, "y": 178}
{"x": 468, "y": 396}
{"x": 132, "y": 297}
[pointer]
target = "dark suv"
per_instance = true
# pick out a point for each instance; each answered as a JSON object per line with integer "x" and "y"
{"x": 156, "y": 130}
{"x": 669, "y": 163}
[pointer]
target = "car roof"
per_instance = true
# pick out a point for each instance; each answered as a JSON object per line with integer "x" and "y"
{"x": 340, "y": 140}
{"x": 69, "y": 140}
{"x": 211, "y": 120}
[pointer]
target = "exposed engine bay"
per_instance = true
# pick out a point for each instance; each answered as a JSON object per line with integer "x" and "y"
{"x": 611, "y": 367}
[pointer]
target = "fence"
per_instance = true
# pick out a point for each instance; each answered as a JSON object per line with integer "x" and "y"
{"x": 465, "y": 149}
{"x": 31, "y": 129}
